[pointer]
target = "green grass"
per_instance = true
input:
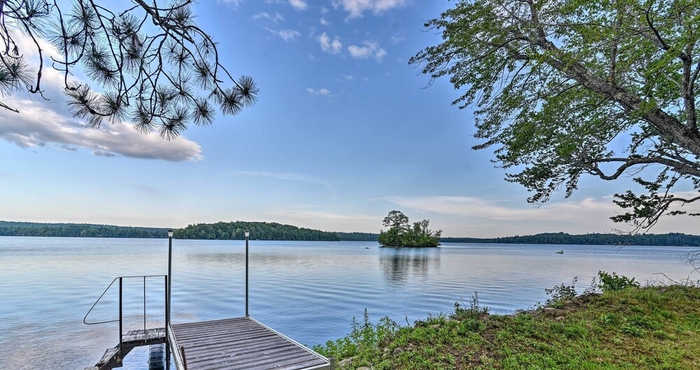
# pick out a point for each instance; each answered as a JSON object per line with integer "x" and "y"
{"x": 655, "y": 327}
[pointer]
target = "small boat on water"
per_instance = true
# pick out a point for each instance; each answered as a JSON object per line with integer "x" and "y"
{"x": 560, "y": 252}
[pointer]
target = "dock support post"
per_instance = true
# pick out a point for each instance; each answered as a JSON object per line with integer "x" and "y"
{"x": 247, "y": 234}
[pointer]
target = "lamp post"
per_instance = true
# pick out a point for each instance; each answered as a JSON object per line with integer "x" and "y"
{"x": 167, "y": 298}
{"x": 170, "y": 277}
{"x": 247, "y": 234}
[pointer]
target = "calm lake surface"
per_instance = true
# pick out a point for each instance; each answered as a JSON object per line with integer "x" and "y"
{"x": 309, "y": 291}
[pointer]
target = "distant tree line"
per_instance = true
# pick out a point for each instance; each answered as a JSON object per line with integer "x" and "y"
{"x": 8, "y": 228}
{"x": 358, "y": 237}
{"x": 258, "y": 230}
{"x": 672, "y": 239}
{"x": 275, "y": 231}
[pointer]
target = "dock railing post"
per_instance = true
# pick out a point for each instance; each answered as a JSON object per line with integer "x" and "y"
{"x": 247, "y": 234}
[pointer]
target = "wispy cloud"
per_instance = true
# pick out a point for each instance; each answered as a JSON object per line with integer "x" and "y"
{"x": 323, "y": 21}
{"x": 287, "y": 177}
{"x": 235, "y": 3}
{"x": 298, "y": 4}
{"x": 333, "y": 46}
{"x": 322, "y": 91}
{"x": 286, "y": 35}
{"x": 272, "y": 18}
{"x": 478, "y": 207}
{"x": 355, "y": 8}
{"x": 370, "y": 49}
{"x": 479, "y": 217}
{"x": 323, "y": 220}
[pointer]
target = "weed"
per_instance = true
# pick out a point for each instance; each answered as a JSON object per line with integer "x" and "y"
{"x": 613, "y": 282}
{"x": 475, "y": 311}
{"x": 363, "y": 341}
{"x": 561, "y": 293}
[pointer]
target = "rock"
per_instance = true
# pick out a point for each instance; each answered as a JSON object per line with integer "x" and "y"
{"x": 397, "y": 350}
{"x": 346, "y": 363}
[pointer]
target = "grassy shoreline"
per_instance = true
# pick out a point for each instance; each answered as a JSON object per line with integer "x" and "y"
{"x": 624, "y": 327}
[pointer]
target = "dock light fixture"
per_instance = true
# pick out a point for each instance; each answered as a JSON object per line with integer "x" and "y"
{"x": 247, "y": 235}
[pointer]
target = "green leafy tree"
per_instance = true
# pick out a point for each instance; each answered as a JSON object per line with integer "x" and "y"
{"x": 152, "y": 63}
{"x": 400, "y": 234}
{"x": 564, "y": 89}
{"x": 397, "y": 222}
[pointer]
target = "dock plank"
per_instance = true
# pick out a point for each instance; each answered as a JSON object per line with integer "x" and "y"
{"x": 241, "y": 343}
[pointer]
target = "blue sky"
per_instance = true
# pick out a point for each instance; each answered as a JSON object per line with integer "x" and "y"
{"x": 344, "y": 131}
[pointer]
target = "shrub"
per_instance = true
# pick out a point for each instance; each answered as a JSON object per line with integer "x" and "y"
{"x": 363, "y": 341}
{"x": 613, "y": 282}
{"x": 561, "y": 293}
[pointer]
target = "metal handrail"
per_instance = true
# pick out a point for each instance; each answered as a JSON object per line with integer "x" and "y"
{"x": 120, "y": 303}
{"x": 120, "y": 319}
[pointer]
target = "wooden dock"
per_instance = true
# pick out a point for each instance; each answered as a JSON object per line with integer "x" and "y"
{"x": 239, "y": 343}
{"x": 228, "y": 344}
{"x": 136, "y": 338}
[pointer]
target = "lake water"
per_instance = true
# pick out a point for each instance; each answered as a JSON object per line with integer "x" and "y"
{"x": 309, "y": 291}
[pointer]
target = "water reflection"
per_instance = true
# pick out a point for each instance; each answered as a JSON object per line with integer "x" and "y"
{"x": 401, "y": 265}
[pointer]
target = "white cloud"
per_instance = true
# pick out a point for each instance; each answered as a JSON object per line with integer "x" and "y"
{"x": 49, "y": 124}
{"x": 370, "y": 49}
{"x": 348, "y": 77}
{"x": 286, "y": 35}
{"x": 273, "y": 18}
{"x": 322, "y": 91}
{"x": 323, "y": 21}
{"x": 298, "y": 4}
{"x": 330, "y": 46}
{"x": 380, "y": 54}
{"x": 355, "y": 8}
{"x": 234, "y": 3}
{"x": 322, "y": 220}
{"x": 397, "y": 37}
{"x": 471, "y": 216}
{"x": 359, "y": 52}
{"x": 478, "y": 207}
{"x": 39, "y": 126}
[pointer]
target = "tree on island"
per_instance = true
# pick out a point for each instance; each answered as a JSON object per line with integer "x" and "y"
{"x": 401, "y": 234}
{"x": 571, "y": 88}
{"x": 154, "y": 65}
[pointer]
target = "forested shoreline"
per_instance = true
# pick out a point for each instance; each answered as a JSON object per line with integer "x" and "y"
{"x": 671, "y": 239}
{"x": 276, "y": 231}
{"x": 258, "y": 230}
{"x": 10, "y": 228}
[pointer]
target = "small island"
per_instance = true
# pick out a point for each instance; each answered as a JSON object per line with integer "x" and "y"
{"x": 401, "y": 234}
